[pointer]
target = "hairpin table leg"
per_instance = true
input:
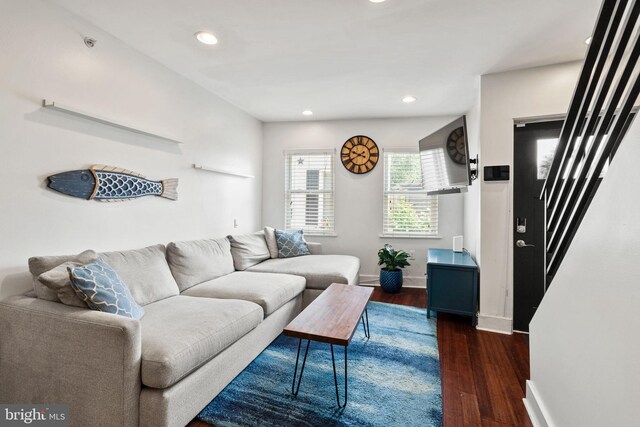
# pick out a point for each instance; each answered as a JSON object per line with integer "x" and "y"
{"x": 295, "y": 390}
{"x": 335, "y": 377}
{"x": 365, "y": 326}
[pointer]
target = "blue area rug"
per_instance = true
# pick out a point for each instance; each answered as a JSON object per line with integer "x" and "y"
{"x": 394, "y": 379}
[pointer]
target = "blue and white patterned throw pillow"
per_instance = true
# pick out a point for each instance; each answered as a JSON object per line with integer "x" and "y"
{"x": 291, "y": 244}
{"x": 102, "y": 289}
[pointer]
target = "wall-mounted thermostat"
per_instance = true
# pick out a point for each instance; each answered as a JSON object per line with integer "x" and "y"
{"x": 496, "y": 173}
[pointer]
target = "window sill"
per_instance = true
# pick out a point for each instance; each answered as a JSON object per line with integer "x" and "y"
{"x": 409, "y": 236}
{"x": 320, "y": 234}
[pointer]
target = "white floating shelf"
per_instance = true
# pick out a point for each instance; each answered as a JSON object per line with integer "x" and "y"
{"x": 72, "y": 111}
{"x": 224, "y": 172}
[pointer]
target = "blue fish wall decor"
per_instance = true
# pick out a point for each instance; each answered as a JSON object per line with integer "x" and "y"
{"x": 111, "y": 184}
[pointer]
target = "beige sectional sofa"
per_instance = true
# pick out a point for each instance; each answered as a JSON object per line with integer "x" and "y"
{"x": 204, "y": 322}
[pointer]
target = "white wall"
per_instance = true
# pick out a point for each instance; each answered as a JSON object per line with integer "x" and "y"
{"x": 358, "y": 197}
{"x": 584, "y": 336}
{"x": 472, "y": 197}
{"x": 506, "y": 96}
{"x": 42, "y": 55}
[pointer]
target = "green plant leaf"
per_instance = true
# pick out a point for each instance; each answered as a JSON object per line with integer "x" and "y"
{"x": 392, "y": 259}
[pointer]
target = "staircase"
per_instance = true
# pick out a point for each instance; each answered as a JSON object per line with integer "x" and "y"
{"x": 600, "y": 113}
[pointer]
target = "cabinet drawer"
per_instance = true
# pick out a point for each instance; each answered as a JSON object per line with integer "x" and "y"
{"x": 452, "y": 289}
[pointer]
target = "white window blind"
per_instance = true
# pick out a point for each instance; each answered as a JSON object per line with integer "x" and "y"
{"x": 408, "y": 210}
{"x": 309, "y": 192}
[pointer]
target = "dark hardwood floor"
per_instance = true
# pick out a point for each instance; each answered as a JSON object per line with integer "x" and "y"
{"x": 483, "y": 374}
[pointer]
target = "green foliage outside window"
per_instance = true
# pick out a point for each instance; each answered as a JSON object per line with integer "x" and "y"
{"x": 406, "y": 211}
{"x": 405, "y": 218}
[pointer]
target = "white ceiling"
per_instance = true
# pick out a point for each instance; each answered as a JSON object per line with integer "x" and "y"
{"x": 346, "y": 58}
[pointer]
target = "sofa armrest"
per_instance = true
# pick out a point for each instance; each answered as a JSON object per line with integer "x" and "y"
{"x": 51, "y": 353}
{"x": 315, "y": 248}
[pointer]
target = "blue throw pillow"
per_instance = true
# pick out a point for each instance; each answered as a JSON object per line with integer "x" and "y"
{"x": 291, "y": 244}
{"x": 102, "y": 289}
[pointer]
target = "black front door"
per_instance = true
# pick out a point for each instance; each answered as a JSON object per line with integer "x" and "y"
{"x": 534, "y": 146}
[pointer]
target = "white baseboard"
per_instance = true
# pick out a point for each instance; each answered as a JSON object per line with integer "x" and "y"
{"x": 408, "y": 281}
{"x": 500, "y": 325}
{"x": 535, "y": 408}
{"x": 369, "y": 279}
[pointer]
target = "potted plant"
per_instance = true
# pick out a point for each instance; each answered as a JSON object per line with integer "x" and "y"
{"x": 391, "y": 274}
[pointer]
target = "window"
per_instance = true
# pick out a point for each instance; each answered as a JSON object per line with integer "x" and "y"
{"x": 408, "y": 210}
{"x": 309, "y": 201}
{"x": 547, "y": 150}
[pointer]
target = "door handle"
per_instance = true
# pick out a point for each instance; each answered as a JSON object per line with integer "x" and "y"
{"x": 523, "y": 244}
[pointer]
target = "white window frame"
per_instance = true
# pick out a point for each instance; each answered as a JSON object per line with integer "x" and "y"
{"x": 435, "y": 205}
{"x": 291, "y": 154}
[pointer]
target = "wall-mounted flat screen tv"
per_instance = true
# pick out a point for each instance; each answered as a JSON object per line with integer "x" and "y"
{"x": 445, "y": 159}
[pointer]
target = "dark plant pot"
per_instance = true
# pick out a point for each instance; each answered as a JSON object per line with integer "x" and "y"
{"x": 391, "y": 281}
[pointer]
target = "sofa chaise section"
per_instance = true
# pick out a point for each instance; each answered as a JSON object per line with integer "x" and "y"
{"x": 320, "y": 271}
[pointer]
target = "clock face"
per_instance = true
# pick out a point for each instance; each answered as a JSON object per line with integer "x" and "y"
{"x": 359, "y": 154}
{"x": 455, "y": 146}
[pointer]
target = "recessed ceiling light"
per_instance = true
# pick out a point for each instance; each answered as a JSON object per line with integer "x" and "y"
{"x": 376, "y": 1}
{"x": 409, "y": 99}
{"x": 588, "y": 40}
{"x": 307, "y": 113}
{"x": 206, "y": 37}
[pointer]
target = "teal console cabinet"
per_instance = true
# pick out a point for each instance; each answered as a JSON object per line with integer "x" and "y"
{"x": 452, "y": 283}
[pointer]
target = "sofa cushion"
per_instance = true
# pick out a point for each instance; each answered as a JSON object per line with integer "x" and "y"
{"x": 270, "y": 291}
{"x": 315, "y": 248}
{"x": 145, "y": 271}
{"x": 291, "y": 244}
{"x": 180, "y": 334}
{"x": 270, "y": 238}
{"x": 248, "y": 250}
{"x": 197, "y": 261}
{"x": 319, "y": 270}
{"x": 42, "y": 264}
{"x": 102, "y": 289}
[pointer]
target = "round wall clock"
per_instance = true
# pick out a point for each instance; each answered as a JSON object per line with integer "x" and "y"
{"x": 456, "y": 146}
{"x": 359, "y": 154}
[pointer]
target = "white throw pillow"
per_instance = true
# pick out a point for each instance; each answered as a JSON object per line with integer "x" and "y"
{"x": 270, "y": 238}
{"x": 58, "y": 280}
{"x": 57, "y": 283}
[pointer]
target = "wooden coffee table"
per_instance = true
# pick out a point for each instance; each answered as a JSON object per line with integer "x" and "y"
{"x": 331, "y": 318}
